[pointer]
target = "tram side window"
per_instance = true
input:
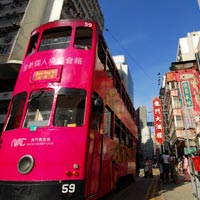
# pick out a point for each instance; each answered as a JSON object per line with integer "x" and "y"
{"x": 39, "y": 109}
{"x": 32, "y": 45}
{"x": 17, "y": 108}
{"x": 130, "y": 141}
{"x": 70, "y": 107}
{"x": 108, "y": 122}
{"x": 56, "y": 38}
{"x": 97, "y": 111}
{"x": 123, "y": 134}
{"x": 117, "y": 129}
{"x": 83, "y": 38}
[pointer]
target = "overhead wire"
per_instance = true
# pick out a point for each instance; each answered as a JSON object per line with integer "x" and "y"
{"x": 131, "y": 57}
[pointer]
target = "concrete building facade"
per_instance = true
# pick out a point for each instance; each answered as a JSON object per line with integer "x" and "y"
{"x": 145, "y": 137}
{"x": 124, "y": 71}
{"x": 188, "y": 46}
{"x": 180, "y": 96}
{"x": 182, "y": 104}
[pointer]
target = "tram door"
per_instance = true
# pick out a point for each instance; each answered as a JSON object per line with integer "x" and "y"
{"x": 96, "y": 144}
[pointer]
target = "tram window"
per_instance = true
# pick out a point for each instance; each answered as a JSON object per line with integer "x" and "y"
{"x": 127, "y": 137}
{"x": 117, "y": 129}
{"x": 56, "y": 38}
{"x": 83, "y": 38}
{"x": 130, "y": 141}
{"x": 39, "y": 109}
{"x": 32, "y": 45}
{"x": 123, "y": 137}
{"x": 117, "y": 133}
{"x": 16, "y": 111}
{"x": 108, "y": 122}
{"x": 70, "y": 107}
{"x": 97, "y": 109}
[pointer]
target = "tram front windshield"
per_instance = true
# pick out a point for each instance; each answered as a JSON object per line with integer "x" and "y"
{"x": 70, "y": 107}
{"x": 39, "y": 109}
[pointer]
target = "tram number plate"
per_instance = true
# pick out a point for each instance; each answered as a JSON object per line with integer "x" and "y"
{"x": 68, "y": 188}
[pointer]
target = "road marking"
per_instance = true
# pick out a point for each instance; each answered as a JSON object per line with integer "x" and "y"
{"x": 151, "y": 192}
{"x": 154, "y": 190}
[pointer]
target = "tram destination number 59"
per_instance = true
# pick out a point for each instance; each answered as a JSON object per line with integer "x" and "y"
{"x": 68, "y": 188}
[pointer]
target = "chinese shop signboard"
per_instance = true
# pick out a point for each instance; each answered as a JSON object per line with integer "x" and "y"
{"x": 187, "y": 94}
{"x": 158, "y": 120}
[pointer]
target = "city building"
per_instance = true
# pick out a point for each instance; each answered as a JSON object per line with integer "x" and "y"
{"x": 147, "y": 145}
{"x": 125, "y": 73}
{"x": 162, "y": 96}
{"x": 145, "y": 138}
{"x": 188, "y": 46}
{"x": 180, "y": 96}
{"x": 182, "y": 104}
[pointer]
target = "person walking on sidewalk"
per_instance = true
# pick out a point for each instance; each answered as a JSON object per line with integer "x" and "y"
{"x": 173, "y": 167}
{"x": 186, "y": 170}
{"x": 165, "y": 158}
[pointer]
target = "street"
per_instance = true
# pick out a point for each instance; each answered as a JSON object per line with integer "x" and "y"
{"x": 152, "y": 189}
{"x": 141, "y": 189}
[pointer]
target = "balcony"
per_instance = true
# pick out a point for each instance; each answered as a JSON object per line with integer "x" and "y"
{"x": 181, "y": 135}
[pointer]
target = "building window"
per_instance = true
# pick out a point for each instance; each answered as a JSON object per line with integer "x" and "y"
{"x": 178, "y": 121}
{"x": 4, "y": 49}
{"x": 173, "y": 85}
{"x": 175, "y": 102}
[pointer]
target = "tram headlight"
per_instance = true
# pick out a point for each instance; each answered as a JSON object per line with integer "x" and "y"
{"x": 76, "y": 166}
{"x": 25, "y": 164}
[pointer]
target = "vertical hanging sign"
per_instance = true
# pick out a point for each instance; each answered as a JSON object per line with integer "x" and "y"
{"x": 158, "y": 120}
{"x": 187, "y": 94}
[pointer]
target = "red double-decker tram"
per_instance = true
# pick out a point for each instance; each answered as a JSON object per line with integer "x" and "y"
{"x": 70, "y": 131}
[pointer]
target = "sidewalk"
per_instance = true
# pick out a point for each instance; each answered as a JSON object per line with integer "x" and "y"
{"x": 179, "y": 191}
{"x": 172, "y": 191}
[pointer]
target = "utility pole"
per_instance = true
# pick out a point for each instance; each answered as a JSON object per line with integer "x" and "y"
{"x": 191, "y": 168}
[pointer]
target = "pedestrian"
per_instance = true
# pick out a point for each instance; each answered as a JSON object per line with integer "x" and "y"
{"x": 148, "y": 168}
{"x": 165, "y": 158}
{"x": 186, "y": 170}
{"x": 160, "y": 164}
{"x": 180, "y": 167}
{"x": 173, "y": 167}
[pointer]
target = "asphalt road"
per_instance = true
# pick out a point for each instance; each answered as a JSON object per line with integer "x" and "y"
{"x": 141, "y": 189}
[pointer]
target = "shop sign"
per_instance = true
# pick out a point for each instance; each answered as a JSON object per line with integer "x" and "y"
{"x": 158, "y": 120}
{"x": 187, "y": 94}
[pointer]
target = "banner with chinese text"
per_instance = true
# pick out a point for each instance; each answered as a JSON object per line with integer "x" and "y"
{"x": 158, "y": 120}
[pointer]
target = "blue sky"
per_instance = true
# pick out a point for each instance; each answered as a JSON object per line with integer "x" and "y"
{"x": 147, "y": 33}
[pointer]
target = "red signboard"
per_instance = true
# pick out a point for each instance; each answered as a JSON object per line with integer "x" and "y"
{"x": 158, "y": 120}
